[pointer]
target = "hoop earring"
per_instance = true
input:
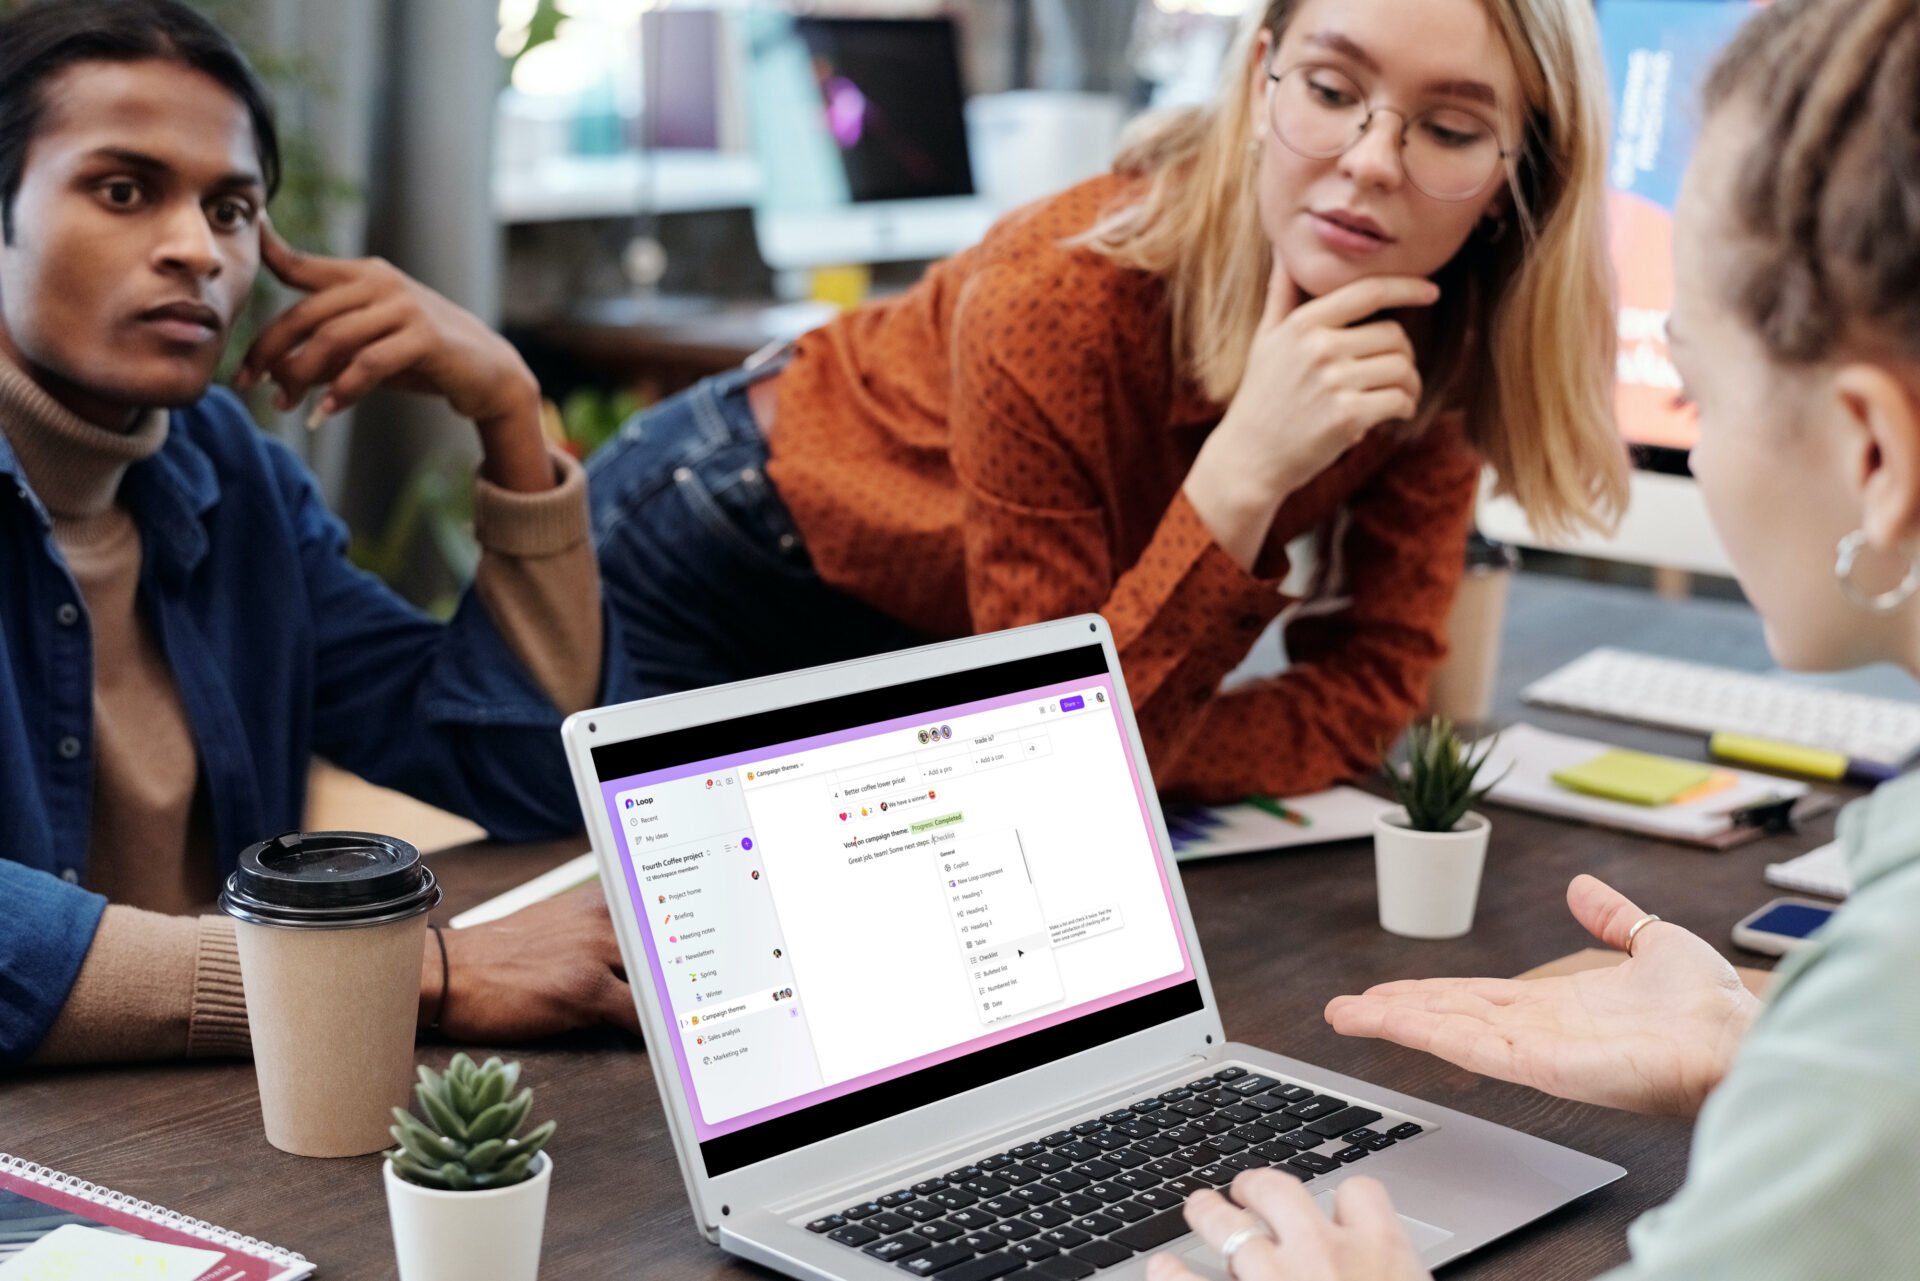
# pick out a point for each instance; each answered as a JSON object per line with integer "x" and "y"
{"x": 1494, "y": 229}
{"x": 1893, "y": 598}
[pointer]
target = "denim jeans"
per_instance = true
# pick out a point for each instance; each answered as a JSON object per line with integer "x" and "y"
{"x": 700, "y": 559}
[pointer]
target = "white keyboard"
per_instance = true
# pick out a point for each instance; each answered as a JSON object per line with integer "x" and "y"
{"x": 1670, "y": 694}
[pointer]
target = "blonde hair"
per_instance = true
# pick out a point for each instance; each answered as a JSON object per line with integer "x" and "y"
{"x": 1525, "y": 327}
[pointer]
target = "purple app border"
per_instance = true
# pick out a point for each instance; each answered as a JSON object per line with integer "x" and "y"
{"x": 703, "y": 1130}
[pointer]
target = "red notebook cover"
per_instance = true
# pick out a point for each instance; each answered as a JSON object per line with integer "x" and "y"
{"x": 35, "y": 1201}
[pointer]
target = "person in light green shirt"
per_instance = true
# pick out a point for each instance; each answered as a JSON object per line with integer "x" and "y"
{"x": 1796, "y": 330}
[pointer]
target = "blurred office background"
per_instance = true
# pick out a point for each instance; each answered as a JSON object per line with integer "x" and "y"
{"x": 583, "y": 173}
{"x": 640, "y": 192}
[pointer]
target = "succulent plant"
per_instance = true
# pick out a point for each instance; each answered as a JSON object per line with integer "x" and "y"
{"x": 1437, "y": 786}
{"x": 467, "y": 1142}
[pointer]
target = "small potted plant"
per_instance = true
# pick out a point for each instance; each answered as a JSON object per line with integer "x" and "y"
{"x": 466, "y": 1193}
{"x": 1428, "y": 853}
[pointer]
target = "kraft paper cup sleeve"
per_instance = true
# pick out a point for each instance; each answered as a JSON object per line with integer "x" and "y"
{"x": 333, "y": 1015}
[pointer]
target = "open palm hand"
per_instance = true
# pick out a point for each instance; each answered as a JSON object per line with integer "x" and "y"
{"x": 1653, "y": 1034}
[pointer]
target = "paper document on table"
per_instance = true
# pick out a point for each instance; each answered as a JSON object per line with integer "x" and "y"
{"x": 571, "y": 874}
{"x": 1529, "y": 757}
{"x": 1822, "y": 871}
{"x": 1210, "y": 831}
{"x": 74, "y": 1253}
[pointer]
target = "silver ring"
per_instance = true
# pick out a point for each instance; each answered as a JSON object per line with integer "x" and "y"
{"x": 1231, "y": 1246}
{"x": 1639, "y": 925}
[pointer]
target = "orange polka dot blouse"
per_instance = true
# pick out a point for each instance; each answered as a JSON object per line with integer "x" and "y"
{"x": 1005, "y": 444}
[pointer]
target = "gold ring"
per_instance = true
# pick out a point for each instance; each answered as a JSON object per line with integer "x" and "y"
{"x": 1639, "y": 925}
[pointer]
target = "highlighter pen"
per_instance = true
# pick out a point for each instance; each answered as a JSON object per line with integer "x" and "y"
{"x": 1278, "y": 810}
{"x": 1793, "y": 759}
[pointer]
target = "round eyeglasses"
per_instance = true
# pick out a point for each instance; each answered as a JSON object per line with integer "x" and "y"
{"x": 1450, "y": 153}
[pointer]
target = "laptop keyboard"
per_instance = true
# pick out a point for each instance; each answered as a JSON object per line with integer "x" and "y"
{"x": 1096, "y": 1194}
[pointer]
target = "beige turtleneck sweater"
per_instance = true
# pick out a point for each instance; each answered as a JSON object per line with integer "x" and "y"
{"x": 162, "y": 978}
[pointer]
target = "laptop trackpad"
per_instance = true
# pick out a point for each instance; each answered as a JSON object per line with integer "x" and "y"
{"x": 1205, "y": 1260}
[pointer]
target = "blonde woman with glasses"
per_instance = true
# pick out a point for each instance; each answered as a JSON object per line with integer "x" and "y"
{"x": 1315, "y": 307}
{"x": 1796, "y": 331}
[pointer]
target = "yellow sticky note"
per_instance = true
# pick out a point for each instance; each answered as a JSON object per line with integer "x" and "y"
{"x": 1634, "y": 777}
{"x": 844, "y": 287}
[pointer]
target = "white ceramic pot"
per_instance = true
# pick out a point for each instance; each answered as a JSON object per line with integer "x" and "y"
{"x": 460, "y": 1236}
{"x": 1428, "y": 881}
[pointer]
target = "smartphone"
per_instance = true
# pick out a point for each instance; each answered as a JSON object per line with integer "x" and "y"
{"x": 1781, "y": 926}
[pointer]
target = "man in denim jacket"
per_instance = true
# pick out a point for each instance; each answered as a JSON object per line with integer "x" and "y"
{"x": 180, "y": 630}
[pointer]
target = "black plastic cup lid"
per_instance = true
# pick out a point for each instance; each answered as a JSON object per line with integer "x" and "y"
{"x": 329, "y": 880}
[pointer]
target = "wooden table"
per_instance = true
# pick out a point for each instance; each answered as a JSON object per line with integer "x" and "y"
{"x": 189, "y": 1136}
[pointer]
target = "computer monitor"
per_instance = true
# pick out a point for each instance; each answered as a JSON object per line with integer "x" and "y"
{"x": 861, "y": 134}
{"x": 1657, "y": 53}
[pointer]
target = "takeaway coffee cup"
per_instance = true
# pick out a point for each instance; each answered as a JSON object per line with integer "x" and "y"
{"x": 331, "y": 926}
{"x": 1462, "y": 688}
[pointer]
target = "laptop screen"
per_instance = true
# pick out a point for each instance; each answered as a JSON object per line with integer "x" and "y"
{"x": 856, "y": 907}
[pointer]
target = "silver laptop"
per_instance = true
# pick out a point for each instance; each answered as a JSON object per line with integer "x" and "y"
{"x": 924, "y": 996}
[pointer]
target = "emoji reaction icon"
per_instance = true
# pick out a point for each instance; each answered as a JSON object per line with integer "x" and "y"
{"x": 843, "y": 816}
{"x": 746, "y": 842}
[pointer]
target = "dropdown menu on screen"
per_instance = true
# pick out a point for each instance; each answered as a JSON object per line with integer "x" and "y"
{"x": 1004, "y": 943}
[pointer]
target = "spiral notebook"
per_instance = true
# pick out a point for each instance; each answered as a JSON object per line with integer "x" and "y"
{"x": 1209, "y": 831}
{"x": 54, "y": 1227}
